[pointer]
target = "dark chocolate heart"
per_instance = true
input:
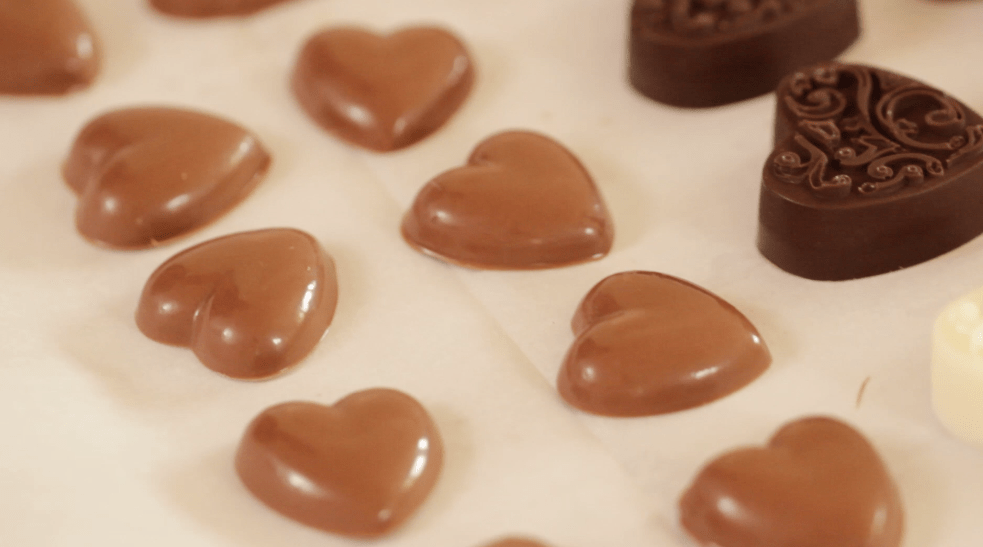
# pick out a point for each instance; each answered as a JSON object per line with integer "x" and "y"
{"x": 211, "y": 8}
{"x": 699, "y": 53}
{"x": 382, "y": 92}
{"x": 360, "y": 467}
{"x": 871, "y": 172}
{"x": 147, "y": 175}
{"x": 648, "y": 343}
{"x": 522, "y": 201}
{"x": 46, "y": 48}
{"x": 249, "y": 304}
{"x": 818, "y": 483}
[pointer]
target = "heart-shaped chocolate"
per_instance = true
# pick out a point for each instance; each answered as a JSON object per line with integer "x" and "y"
{"x": 871, "y": 172}
{"x": 46, "y": 48}
{"x": 146, "y": 175}
{"x": 818, "y": 483}
{"x": 522, "y": 201}
{"x": 699, "y": 53}
{"x": 382, "y": 92}
{"x": 360, "y": 467}
{"x": 211, "y": 8}
{"x": 648, "y": 343}
{"x": 249, "y": 304}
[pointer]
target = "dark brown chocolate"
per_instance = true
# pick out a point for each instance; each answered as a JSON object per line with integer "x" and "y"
{"x": 249, "y": 305}
{"x": 648, "y": 343}
{"x": 359, "y": 468}
{"x": 700, "y": 53}
{"x": 382, "y": 92}
{"x": 46, "y": 48}
{"x": 871, "y": 172}
{"x": 147, "y": 175}
{"x": 212, "y": 8}
{"x": 522, "y": 201}
{"x": 818, "y": 483}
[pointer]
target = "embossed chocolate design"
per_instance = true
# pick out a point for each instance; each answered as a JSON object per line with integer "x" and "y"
{"x": 516, "y": 542}
{"x": 382, "y": 92}
{"x": 871, "y": 172}
{"x": 147, "y": 175}
{"x": 648, "y": 343}
{"x": 522, "y": 201}
{"x": 212, "y": 8}
{"x": 47, "y": 47}
{"x": 249, "y": 305}
{"x": 818, "y": 483}
{"x": 360, "y": 467}
{"x": 700, "y": 53}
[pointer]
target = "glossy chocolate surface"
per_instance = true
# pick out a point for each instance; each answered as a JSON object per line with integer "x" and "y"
{"x": 212, "y": 8}
{"x": 648, "y": 343}
{"x": 522, "y": 201}
{"x": 818, "y": 483}
{"x": 147, "y": 175}
{"x": 47, "y": 47}
{"x": 871, "y": 172}
{"x": 249, "y": 305}
{"x": 700, "y": 53}
{"x": 382, "y": 92}
{"x": 359, "y": 468}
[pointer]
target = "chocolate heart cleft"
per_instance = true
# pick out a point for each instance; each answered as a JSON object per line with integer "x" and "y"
{"x": 212, "y": 8}
{"x": 360, "y": 467}
{"x": 523, "y": 201}
{"x": 249, "y": 305}
{"x": 818, "y": 483}
{"x": 871, "y": 172}
{"x": 649, "y": 343}
{"x": 383, "y": 93}
{"x": 701, "y": 53}
{"x": 47, "y": 47}
{"x": 150, "y": 174}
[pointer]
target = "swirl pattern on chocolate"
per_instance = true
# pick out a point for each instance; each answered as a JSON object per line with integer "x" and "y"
{"x": 859, "y": 131}
{"x": 705, "y": 17}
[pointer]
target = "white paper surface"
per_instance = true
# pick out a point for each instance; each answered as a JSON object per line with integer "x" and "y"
{"x": 111, "y": 439}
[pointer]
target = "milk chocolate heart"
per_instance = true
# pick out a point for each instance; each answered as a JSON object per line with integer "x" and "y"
{"x": 871, "y": 172}
{"x": 516, "y": 542}
{"x": 818, "y": 483}
{"x": 211, "y": 8}
{"x": 146, "y": 175}
{"x": 249, "y": 305}
{"x": 522, "y": 201}
{"x": 360, "y": 467}
{"x": 382, "y": 92}
{"x": 46, "y": 48}
{"x": 699, "y": 53}
{"x": 648, "y": 343}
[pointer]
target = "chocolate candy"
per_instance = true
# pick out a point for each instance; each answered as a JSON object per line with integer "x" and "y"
{"x": 46, "y": 48}
{"x": 699, "y": 53}
{"x": 211, "y": 8}
{"x": 249, "y": 305}
{"x": 522, "y": 201}
{"x": 957, "y": 367}
{"x": 382, "y": 92}
{"x": 648, "y": 343}
{"x": 871, "y": 172}
{"x": 360, "y": 467}
{"x": 818, "y": 483}
{"x": 147, "y": 175}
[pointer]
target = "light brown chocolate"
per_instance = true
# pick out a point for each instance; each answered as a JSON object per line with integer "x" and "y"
{"x": 249, "y": 305}
{"x": 382, "y": 92}
{"x": 47, "y": 47}
{"x": 212, "y": 8}
{"x": 649, "y": 343}
{"x": 818, "y": 483}
{"x": 522, "y": 201}
{"x": 516, "y": 542}
{"x": 147, "y": 175}
{"x": 359, "y": 468}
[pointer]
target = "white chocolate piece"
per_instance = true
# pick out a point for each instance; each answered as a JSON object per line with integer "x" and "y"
{"x": 957, "y": 367}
